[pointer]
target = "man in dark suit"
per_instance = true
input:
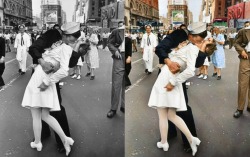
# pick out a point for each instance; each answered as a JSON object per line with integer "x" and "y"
{"x": 162, "y": 51}
{"x": 128, "y": 55}
{"x": 36, "y": 50}
{"x": 116, "y": 45}
{"x": 2, "y": 63}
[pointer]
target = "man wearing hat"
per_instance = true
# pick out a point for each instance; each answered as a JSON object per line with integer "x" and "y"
{"x": 116, "y": 45}
{"x": 195, "y": 33}
{"x": 71, "y": 34}
{"x": 22, "y": 44}
{"x": 242, "y": 46}
{"x": 148, "y": 44}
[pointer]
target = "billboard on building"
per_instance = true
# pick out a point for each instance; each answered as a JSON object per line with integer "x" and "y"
{"x": 178, "y": 2}
{"x": 177, "y": 16}
{"x": 50, "y": 2}
{"x": 51, "y": 16}
{"x": 247, "y": 10}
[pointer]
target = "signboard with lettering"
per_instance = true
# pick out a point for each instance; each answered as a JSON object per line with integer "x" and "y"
{"x": 178, "y": 2}
{"x": 51, "y": 16}
{"x": 236, "y": 11}
{"x": 109, "y": 12}
{"x": 247, "y": 10}
{"x": 177, "y": 16}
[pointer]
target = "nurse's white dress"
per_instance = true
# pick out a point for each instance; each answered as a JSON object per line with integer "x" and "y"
{"x": 33, "y": 97}
{"x": 160, "y": 97}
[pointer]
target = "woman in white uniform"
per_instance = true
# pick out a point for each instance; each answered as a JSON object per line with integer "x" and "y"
{"x": 92, "y": 57}
{"x": 167, "y": 93}
{"x": 41, "y": 95}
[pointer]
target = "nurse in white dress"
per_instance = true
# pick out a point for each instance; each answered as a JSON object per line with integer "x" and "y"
{"x": 167, "y": 93}
{"x": 41, "y": 102}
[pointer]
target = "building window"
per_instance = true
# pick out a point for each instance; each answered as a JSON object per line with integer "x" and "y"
{"x": 93, "y": 8}
{"x": 93, "y": 3}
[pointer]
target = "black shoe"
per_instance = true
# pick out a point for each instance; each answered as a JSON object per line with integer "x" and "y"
{"x": 149, "y": 73}
{"x": 111, "y": 113}
{"x": 19, "y": 70}
{"x": 248, "y": 109}
{"x": 214, "y": 74}
{"x": 61, "y": 149}
{"x": 22, "y": 73}
{"x": 87, "y": 75}
{"x": 122, "y": 109}
{"x": 237, "y": 113}
{"x": 92, "y": 77}
{"x": 187, "y": 148}
{"x": 146, "y": 71}
{"x": 219, "y": 78}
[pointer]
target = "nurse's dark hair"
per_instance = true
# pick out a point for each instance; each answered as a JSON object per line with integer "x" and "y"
{"x": 76, "y": 34}
{"x": 53, "y": 35}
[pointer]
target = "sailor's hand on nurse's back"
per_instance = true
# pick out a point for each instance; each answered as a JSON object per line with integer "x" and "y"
{"x": 43, "y": 87}
{"x": 47, "y": 66}
{"x": 169, "y": 87}
{"x": 174, "y": 67}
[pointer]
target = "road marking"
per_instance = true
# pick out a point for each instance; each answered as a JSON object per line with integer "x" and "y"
{"x": 136, "y": 61}
{"x": 14, "y": 79}
{"x": 139, "y": 80}
{"x": 10, "y": 61}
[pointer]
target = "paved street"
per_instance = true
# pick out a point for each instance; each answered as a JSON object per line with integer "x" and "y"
{"x": 86, "y": 102}
{"x": 213, "y": 103}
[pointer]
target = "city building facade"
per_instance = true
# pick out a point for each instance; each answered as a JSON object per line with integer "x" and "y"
{"x": 140, "y": 11}
{"x": 102, "y": 13}
{"x": 238, "y": 13}
{"x": 178, "y": 13}
{"x": 17, "y": 12}
{"x": 1, "y": 14}
{"x": 51, "y": 12}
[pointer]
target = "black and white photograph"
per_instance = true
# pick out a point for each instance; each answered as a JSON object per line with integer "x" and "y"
{"x": 62, "y": 78}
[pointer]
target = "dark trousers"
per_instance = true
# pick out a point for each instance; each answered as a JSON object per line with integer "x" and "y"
{"x": 61, "y": 117}
{"x": 231, "y": 42}
{"x": 127, "y": 71}
{"x": 118, "y": 83}
{"x": 2, "y": 67}
{"x": 187, "y": 117}
{"x": 105, "y": 42}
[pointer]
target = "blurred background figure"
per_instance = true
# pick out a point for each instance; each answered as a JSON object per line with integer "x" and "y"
{"x": 134, "y": 43}
{"x": 2, "y": 62}
{"x": 218, "y": 58}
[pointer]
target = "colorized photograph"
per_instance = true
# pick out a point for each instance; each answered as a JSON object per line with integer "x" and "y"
{"x": 187, "y": 78}
{"x": 61, "y": 78}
